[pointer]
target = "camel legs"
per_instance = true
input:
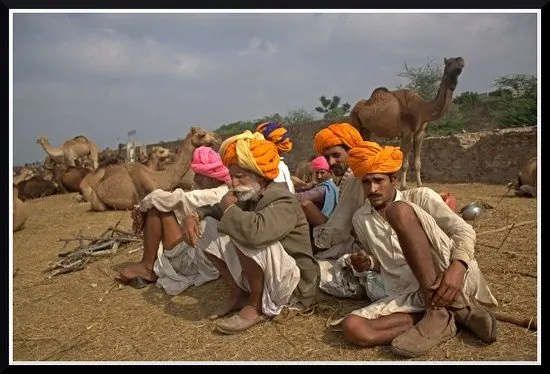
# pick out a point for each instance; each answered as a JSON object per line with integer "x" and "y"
{"x": 406, "y": 143}
{"x": 418, "y": 140}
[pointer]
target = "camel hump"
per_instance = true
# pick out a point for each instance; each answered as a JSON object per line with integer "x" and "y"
{"x": 380, "y": 90}
{"x": 81, "y": 138}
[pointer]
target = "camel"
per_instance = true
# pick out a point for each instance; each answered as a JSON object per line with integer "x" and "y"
{"x": 20, "y": 212}
{"x": 404, "y": 113}
{"x": 36, "y": 187}
{"x": 526, "y": 185}
{"x": 23, "y": 174}
{"x": 156, "y": 159}
{"x": 71, "y": 150}
{"x": 70, "y": 178}
{"x": 120, "y": 187}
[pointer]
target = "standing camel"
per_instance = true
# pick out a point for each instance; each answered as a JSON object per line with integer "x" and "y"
{"x": 71, "y": 150}
{"x": 405, "y": 114}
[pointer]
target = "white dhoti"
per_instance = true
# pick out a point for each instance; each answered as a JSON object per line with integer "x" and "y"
{"x": 401, "y": 292}
{"x": 184, "y": 266}
{"x": 281, "y": 274}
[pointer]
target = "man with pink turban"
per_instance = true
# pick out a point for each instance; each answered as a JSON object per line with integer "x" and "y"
{"x": 277, "y": 134}
{"x": 319, "y": 202}
{"x": 420, "y": 256}
{"x": 167, "y": 259}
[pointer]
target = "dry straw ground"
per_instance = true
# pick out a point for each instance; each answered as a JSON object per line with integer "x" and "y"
{"x": 85, "y": 316}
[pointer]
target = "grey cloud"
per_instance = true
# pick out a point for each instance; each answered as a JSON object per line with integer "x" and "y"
{"x": 102, "y": 75}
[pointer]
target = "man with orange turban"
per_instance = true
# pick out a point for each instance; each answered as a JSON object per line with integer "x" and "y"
{"x": 263, "y": 249}
{"x": 277, "y": 134}
{"x": 421, "y": 254}
{"x": 333, "y": 237}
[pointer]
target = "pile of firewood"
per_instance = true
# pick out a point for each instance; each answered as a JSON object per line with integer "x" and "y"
{"x": 107, "y": 243}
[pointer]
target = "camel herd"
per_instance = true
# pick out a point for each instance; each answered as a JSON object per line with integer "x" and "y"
{"x": 106, "y": 181}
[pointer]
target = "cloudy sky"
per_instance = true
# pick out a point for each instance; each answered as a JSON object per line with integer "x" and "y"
{"x": 102, "y": 75}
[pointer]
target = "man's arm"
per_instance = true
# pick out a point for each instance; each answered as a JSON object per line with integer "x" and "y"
{"x": 261, "y": 228}
{"x": 316, "y": 194}
{"x": 214, "y": 211}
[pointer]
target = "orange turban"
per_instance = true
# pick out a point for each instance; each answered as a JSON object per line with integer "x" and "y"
{"x": 336, "y": 134}
{"x": 277, "y": 134}
{"x": 371, "y": 158}
{"x": 252, "y": 152}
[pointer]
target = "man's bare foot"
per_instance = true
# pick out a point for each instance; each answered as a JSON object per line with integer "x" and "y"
{"x": 137, "y": 270}
{"x": 236, "y": 300}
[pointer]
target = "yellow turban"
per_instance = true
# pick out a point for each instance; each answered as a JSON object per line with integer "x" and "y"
{"x": 336, "y": 134}
{"x": 277, "y": 134}
{"x": 371, "y": 158}
{"x": 252, "y": 152}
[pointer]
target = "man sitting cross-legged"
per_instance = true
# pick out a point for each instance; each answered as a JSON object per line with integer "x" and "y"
{"x": 423, "y": 256}
{"x": 180, "y": 265}
{"x": 263, "y": 249}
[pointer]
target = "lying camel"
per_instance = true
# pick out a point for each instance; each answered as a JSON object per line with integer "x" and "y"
{"x": 157, "y": 158}
{"x": 526, "y": 185}
{"x": 36, "y": 187}
{"x": 70, "y": 179}
{"x": 23, "y": 174}
{"x": 120, "y": 187}
{"x": 20, "y": 212}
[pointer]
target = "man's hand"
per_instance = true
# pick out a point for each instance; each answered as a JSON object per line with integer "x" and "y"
{"x": 360, "y": 261}
{"x": 227, "y": 200}
{"x": 191, "y": 230}
{"x": 138, "y": 220}
{"x": 448, "y": 285}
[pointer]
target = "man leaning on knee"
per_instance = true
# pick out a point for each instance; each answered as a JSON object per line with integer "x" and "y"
{"x": 421, "y": 255}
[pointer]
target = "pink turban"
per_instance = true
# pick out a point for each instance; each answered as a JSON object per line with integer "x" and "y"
{"x": 319, "y": 163}
{"x": 208, "y": 162}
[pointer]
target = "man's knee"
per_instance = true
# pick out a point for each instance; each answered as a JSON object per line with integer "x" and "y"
{"x": 399, "y": 211}
{"x": 357, "y": 331}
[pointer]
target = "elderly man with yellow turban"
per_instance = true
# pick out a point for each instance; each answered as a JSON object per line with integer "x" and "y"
{"x": 277, "y": 134}
{"x": 263, "y": 249}
{"x": 421, "y": 254}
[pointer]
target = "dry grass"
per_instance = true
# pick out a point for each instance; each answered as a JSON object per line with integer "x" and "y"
{"x": 84, "y": 316}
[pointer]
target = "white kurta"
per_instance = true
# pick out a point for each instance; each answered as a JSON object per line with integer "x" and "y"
{"x": 450, "y": 237}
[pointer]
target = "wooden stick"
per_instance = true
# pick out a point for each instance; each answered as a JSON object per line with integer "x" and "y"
{"x": 506, "y": 227}
{"x": 506, "y": 237}
{"x": 114, "y": 229}
{"x": 530, "y": 323}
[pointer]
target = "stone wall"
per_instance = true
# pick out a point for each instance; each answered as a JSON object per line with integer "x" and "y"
{"x": 483, "y": 157}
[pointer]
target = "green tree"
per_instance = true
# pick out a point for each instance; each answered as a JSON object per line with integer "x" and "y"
{"x": 425, "y": 79}
{"x": 298, "y": 117}
{"x": 520, "y": 84}
{"x": 520, "y": 108}
{"x": 331, "y": 108}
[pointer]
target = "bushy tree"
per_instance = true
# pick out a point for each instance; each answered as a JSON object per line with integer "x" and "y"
{"x": 331, "y": 108}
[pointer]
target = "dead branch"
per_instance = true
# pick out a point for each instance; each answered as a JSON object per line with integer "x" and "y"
{"x": 114, "y": 229}
{"x": 530, "y": 323}
{"x": 103, "y": 245}
{"x": 513, "y": 225}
